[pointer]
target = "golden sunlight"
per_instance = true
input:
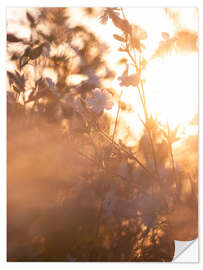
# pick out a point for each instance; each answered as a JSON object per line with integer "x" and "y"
{"x": 102, "y": 133}
{"x": 172, "y": 88}
{"x": 171, "y": 82}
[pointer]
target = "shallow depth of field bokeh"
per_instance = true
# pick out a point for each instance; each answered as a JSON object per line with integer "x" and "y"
{"x": 102, "y": 133}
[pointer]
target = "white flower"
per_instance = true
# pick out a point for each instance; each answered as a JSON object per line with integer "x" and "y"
{"x": 99, "y": 100}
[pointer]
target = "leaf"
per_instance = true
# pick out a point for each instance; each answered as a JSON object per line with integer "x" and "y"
{"x": 123, "y": 25}
{"x": 23, "y": 61}
{"x": 122, "y": 49}
{"x": 13, "y": 38}
{"x": 132, "y": 80}
{"x": 119, "y": 38}
{"x": 165, "y": 134}
{"x": 36, "y": 52}
{"x": 11, "y": 77}
{"x": 51, "y": 84}
{"x": 165, "y": 48}
{"x": 15, "y": 56}
{"x": 31, "y": 19}
{"x": 186, "y": 41}
{"x": 171, "y": 135}
{"x": 27, "y": 51}
{"x": 18, "y": 90}
{"x": 165, "y": 35}
{"x": 136, "y": 44}
{"x": 47, "y": 37}
{"x": 17, "y": 80}
{"x": 138, "y": 32}
{"x": 108, "y": 12}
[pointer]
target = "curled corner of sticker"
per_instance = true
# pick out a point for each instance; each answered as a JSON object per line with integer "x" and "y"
{"x": 186, "y": 251}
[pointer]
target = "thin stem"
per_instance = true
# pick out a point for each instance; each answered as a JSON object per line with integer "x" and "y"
{"x": 131, "y": 156}
{"x": 90, "y": 159}
{"x": 194, "y": 197}
{"x": 154, "y": 155}
{"x": 123, "y": 13}
{"x": 118, "y": 146}
{"x": 141, "y": 97}
{"x": 131, "y": 57}
{"x": 114, "y": 131}
{"x": 143, "y": 100}
{"x": 153, "y": 150}
{"x": 143, "y": 94}
{"x": 171, "y": 154}
{"x": 127, "y": 45}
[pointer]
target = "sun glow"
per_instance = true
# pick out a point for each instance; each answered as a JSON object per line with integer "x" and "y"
{"x": 171, "y": 83}
{"x": 172, "y": 88}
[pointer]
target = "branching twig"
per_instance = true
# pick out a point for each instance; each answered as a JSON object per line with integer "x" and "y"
{"x": 118, "y": 146}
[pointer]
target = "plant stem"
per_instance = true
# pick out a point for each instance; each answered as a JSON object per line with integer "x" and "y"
{"x": 131, "y": 156}
{"x": 171, "y": 154}
{"x": 143, "y": 100}
{"x": 114, "y": 131}
{"x": 127, "y": 45}
{"x": 118, "y": 146}
{"x": 149, "y": 132}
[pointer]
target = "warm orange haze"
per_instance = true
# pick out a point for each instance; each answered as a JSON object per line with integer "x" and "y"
{"x": 102, "y": 113}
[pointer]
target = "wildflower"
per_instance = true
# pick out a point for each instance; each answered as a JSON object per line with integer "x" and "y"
{"x": 99, "y": 100}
